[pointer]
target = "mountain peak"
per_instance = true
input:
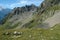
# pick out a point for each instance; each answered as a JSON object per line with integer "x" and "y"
{"x": 1, "y": 8}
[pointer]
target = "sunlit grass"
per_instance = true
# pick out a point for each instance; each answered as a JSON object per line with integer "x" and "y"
{"x": 33, "y": 34}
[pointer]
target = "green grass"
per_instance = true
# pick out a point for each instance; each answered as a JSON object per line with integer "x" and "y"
{"x": 36, "y": 34}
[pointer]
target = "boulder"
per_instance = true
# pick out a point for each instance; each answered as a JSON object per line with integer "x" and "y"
{"x": 17, "y": 33}
{"x": 6, "y": 33}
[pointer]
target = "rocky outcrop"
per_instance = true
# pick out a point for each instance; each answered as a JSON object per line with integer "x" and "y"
{"x": 33, "y": 16}
{"x": 20, "y": 15}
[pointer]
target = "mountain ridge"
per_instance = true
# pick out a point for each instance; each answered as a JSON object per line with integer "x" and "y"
{"x": 32, "y": 15}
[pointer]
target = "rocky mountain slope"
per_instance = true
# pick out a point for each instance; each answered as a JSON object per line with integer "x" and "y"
{"x": 54, "y": 19}
{"x": 32, "y": 23}
{"x": 49, "y": 13}
{"x": 32, "y": 16}
{"x": 20, "y": 16}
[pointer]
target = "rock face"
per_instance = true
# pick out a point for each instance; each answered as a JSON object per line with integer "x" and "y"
{"x": 53, "y": 20}
{"x": 44, "y": 16}
{"x": 49, "y": 11}
{"x": 20, "y": 15}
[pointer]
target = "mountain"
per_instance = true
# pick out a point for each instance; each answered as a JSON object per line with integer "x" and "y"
{"x": 21, "y": 15}
{"x": 31, "y": 16}
{"x": 1, "y": 8}
{"x": 49, "y": 13}
{"x": 32, "y": 23}
{"x": 3, "y": 12}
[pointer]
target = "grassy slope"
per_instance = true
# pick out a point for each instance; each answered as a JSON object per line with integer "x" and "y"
{"x": 36, "y": 34}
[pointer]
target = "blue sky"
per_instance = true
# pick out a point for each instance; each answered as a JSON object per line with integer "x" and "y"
{"x": 18, "y": 3}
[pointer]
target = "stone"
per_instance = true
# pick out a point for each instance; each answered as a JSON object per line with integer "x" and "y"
{"x": 30, "y": 36}
{"x": 51, "y": 29}
{"x": 6, "y": 33}
{"x": 17, "y": 33}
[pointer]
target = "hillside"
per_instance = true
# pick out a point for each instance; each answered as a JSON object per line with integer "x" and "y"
{"x": 33, "y": 34}
{"x": 32, "y": 22}
{"x": 19, "y": 16}
{"x": 54, "y": 19}
{"x": 31, "y": 16}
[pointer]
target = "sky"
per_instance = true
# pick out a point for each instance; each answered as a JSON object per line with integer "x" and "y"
{"x": 18, "y": 3}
